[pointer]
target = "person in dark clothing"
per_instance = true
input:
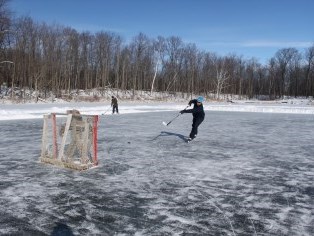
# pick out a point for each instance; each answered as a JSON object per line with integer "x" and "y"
{"x": 114, "y": 104}
{"x": 198, "y": 115}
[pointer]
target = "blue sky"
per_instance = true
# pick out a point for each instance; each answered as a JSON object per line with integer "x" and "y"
{"x": 248, "y": 28}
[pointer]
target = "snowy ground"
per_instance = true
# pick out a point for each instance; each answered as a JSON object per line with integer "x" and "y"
{"x": 245, "y": 174}
{"x": 36, "y": 111}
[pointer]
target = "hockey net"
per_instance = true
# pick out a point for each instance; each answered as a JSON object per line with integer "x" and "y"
{"x": 70, "y": 140}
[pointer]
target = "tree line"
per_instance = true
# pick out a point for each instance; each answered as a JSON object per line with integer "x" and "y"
{"x": 55, "y": 58}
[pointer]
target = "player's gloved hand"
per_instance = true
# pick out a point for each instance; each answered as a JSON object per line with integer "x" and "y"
{"x": 181, "y": 112}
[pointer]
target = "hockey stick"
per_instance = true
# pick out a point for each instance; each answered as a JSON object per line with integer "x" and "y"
{"x": 166, "y": 124}
{"x": 106, "y": 111}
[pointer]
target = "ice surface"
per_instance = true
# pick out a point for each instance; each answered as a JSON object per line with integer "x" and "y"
{"x": 244, "y": 174}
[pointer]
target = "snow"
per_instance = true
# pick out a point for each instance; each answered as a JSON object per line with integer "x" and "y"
{"x": 250, "y": 171}
{"x": 36, "y": 110}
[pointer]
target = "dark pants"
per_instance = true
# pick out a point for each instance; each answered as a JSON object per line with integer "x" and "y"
{"x": 115, "y": 108}
{"x": 195, "y": 124}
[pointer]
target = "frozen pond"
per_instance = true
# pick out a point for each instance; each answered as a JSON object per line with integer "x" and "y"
{"x": 245, "y": 174}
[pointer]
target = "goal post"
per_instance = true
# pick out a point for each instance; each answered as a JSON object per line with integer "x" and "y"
{"x": 70, "y": 140}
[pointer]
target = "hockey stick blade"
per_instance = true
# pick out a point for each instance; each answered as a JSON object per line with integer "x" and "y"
{"x": 166, "y": 124}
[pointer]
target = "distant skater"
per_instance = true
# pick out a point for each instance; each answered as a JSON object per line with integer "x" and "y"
{"x": 114, "y": 104}
{"x": 198, "y": 115}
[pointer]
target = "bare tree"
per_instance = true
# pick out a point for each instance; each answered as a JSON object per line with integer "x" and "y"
{"x": 295, "y": 75}
{"x": 5, "y": 42}
{"x": 283, "y": 58}
{"x": 5, "y": 23}
{"x": 222, "y": 74}
{"x": 172, "y": 65}
{"x": 117, "y": 47}
{"x": 85, "y": 62}
{"x": 190, "y": 61}
{"x": 252, "y": 76}
{"x": 159, "y": 49}
{"x": 141, "y": 61}
{"x": 309, "y": 72}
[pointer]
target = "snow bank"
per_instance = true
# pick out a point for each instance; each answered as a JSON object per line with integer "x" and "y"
{"x": 35, "y": 111}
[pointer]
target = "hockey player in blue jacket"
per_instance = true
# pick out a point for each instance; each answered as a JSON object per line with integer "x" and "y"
{"x": 198, "y": 115}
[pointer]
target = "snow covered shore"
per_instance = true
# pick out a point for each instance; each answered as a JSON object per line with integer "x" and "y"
{"x": 36, "y": 110}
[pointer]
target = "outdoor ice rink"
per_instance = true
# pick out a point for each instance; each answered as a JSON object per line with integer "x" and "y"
{"x": 245, "y": 174}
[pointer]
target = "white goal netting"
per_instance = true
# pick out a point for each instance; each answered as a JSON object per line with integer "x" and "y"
{"x": 70, "y": 140}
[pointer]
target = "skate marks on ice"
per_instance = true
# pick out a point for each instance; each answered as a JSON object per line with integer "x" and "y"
{"x": 238, "y": 181}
